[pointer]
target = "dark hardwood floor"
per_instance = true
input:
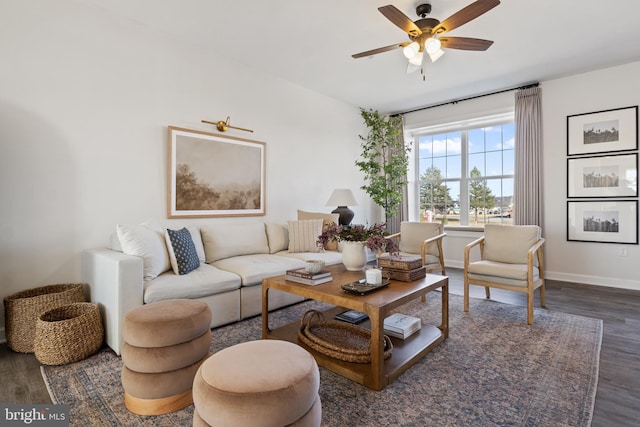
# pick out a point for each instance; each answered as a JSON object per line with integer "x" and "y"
{"x": 618, "y": 395}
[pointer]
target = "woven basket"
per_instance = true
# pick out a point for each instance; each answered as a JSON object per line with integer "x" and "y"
{"x": 21, "y": 311}
{"x": 69, "y": 333}
{"x": 405, "y": 275}
{"x": 339, "y": 340}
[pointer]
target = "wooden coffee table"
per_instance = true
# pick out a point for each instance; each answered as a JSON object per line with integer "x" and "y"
{"x": 377, "y": 305}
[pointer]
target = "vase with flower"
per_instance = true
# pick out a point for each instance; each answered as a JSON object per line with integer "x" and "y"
{"x": 355, "y": 238}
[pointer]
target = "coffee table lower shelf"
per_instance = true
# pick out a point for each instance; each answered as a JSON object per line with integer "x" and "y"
{"x": 405, "y": 352}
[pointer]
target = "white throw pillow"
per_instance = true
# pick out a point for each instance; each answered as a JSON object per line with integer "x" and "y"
{"x": 148, "y": 243}
{"x": 278, "y": 236}
{"x": 303, "y": 235}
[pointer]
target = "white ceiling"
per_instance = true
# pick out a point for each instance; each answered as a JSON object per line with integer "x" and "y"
{"x": 310, "y": 43}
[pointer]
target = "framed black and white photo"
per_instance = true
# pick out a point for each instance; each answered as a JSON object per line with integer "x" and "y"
{"x": 213, "y": 175}
{"x": 603, "y": 131}
{"x": 603, "y": 176}
{"x": 607, "y": 221}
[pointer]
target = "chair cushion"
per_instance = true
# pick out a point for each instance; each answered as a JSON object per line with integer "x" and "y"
{"x": 509, "y": 243}
{"x": 506, "y": 274}
{"x": 412, "y": 234}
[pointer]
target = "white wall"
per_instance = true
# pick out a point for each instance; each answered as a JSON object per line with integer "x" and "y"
{"x": 85, "y": 101}
{"x": 592, "y": 263}
{"x": 582, "y": 262}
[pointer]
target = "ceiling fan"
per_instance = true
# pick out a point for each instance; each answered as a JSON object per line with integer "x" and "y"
{"x": 426, "y": 34}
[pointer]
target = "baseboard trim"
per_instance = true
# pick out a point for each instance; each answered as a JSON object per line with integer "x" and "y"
{"x": 608, "y": 282}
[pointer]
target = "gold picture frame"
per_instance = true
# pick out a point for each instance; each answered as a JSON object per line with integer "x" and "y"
{"x": 213, "y": 175}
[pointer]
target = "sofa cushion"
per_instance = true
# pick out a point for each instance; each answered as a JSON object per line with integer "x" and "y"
{"x": 182, "y": 251}
{"x": 228, "y": 240}
{"x": 329, "y": 257}
{"x": 197, "y": 242}
{"x": 303, "y": 235}
{"x": 145, "y": 241}
{"x": 204, "y": 281}
{"x": 253, "y": 268}
{"x": 327, "y": 220}
{"x": 278, "y": 237}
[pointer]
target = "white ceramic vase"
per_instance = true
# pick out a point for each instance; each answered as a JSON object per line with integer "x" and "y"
{"x": 354, "y": 255}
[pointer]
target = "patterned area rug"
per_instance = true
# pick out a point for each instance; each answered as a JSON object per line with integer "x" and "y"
{"x": 493, "y": 370}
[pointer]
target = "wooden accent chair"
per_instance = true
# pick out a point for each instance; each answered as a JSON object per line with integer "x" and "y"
{"x": 511, "y": 258}
{"x": 423, "y": 239}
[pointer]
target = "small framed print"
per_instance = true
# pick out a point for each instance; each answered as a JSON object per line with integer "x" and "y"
{"x": 607, "y": 221}
{"x": 603, "y": 176}
{"x": 603, "y": 131}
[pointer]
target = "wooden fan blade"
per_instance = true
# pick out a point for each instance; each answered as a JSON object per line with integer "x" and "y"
{"x": 465, "y": 43}
{"x": 401, "y": 20}
{"x": 379, "y": 50}
{"x": 465, "y": 15}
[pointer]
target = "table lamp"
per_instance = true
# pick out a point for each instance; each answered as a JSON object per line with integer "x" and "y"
{"x": 342, "y": 197}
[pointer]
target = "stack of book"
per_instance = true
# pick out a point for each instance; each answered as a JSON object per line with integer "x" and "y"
{"x": 301, "y": 275}
{"x": 352, "y": 316}
{"x": 401, "y": 325}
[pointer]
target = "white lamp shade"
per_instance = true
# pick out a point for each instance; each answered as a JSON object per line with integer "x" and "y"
{"x": 411, "y": 50}
{"x": 342, "y": 197}
{"x": 417, "y": 60}
{"x": 432, "y": 45}
{"x": 435, "y": 55}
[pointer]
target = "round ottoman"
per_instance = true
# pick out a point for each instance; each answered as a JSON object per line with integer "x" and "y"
{"x": 165, "y": 343}
{"x": 265, "y": 383}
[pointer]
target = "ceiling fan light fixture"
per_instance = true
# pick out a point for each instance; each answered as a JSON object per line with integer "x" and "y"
{"x": 436, "y": 55}
{"x": 432, "y": 45}
{"x": 417, "y": 60}
{"x": 411, "y": 50}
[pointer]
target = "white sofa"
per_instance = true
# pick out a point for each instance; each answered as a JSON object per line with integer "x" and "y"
{"x": 234, "y": 258}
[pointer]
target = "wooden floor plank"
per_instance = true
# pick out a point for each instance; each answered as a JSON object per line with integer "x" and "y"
{"x": 618, "y": 395}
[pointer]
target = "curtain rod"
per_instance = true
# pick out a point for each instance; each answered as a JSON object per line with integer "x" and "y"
{"x": 455, "y": 101}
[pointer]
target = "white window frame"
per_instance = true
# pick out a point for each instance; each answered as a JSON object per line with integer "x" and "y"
{"x": 414, "y": 166}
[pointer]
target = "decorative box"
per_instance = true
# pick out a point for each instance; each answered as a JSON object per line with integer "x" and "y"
{"x": 404, "y": 275}
{"x": 400, "y": 262}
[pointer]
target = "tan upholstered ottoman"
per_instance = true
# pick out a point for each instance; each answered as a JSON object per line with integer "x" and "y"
{"x": 266, "y": 383}
{"x": 164, "y": 345}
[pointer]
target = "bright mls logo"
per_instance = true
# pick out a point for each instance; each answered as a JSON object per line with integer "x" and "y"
{"x": 34, "y": 415}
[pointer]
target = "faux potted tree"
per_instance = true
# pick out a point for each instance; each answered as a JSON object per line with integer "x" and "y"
{"x": 385, "y": 159}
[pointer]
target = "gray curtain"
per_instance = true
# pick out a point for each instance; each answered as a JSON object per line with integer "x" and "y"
{"x": 527, "y": 191}
{"x": 393, "y": 223}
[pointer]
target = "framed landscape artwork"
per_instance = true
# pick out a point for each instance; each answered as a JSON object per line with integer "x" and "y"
{"x": 213, "y": 175}
{"x": 608, "y": 221}
{"x": 603, "y": 131}
{"x": 603, "y": 176}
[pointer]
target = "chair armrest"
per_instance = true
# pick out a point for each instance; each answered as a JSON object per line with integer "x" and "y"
{"x": 533, "y": 250}
{"x": 468, "y": 247}
{"x": 434, "y": 238}
{"x": 393, "y": 236}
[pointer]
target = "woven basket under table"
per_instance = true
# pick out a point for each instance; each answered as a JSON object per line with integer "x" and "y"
{"x": 21, "y": 311}
{"x": 69, "y": 333}
{"x": 339, "y": 340}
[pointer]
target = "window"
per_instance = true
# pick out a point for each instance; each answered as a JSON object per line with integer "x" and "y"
{"x": 465, "y": 172}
